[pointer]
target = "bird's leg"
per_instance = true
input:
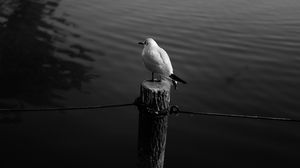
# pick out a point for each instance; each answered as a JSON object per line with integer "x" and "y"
{"x": 159, "y": 78}
{"x": 152, "y": 77}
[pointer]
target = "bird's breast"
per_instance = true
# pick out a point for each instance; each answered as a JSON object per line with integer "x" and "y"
{"x": 154, "y": 62}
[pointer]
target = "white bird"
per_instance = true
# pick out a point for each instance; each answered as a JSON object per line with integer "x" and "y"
{"x": 157, "y": 61}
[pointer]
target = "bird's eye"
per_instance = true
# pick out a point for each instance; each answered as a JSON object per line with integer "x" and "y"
{"x": 145, "y": 43}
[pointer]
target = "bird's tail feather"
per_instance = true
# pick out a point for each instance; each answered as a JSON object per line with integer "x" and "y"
{"x": 176, "y": 78}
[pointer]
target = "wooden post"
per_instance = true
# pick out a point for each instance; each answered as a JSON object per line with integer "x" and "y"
{"x": 153, "y": 122}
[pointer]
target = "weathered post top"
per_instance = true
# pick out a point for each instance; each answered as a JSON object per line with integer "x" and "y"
{"x": 156, "y": 95}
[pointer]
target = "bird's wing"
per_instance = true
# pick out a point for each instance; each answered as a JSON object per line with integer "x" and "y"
{"x": 166, "y": 60}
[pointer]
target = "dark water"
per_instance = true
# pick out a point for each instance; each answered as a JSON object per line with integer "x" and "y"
{"x": 238, "y": 56}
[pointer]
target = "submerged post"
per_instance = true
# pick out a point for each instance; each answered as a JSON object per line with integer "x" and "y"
{"x": 153, "y": 122}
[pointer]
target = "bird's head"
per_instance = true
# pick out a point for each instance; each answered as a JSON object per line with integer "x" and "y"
{"x": 148, "y": 42}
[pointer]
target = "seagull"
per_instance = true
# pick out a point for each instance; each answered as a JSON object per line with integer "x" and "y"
{"x": 157, "y": 61}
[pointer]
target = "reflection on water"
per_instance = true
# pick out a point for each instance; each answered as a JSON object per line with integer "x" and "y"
{"x": 32, "y": 67}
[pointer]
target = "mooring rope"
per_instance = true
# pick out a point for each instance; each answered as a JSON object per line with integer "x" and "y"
{"x": 173, "y": 110}
{"x": 65, "y": 108}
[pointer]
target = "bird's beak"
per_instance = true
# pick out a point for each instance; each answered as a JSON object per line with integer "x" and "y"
{"x": 141, "y": 43}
